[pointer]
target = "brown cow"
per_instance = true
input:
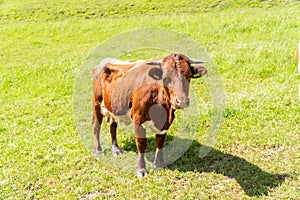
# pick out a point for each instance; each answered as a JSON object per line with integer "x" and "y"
{"x": 139, "y": 93}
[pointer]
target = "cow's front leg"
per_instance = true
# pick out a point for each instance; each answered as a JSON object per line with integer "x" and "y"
{"x": 158, "y": 160}
{"x": 141, "y": 144}
{"x": 114, "y": 144}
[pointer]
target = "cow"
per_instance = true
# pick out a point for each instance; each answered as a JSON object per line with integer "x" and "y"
{"x": 144, "y": 93}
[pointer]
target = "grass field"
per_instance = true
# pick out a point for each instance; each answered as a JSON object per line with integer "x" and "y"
{"x": 43, "y": 47}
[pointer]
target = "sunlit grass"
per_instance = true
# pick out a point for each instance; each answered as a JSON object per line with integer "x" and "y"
{"x": 44, "y": 46}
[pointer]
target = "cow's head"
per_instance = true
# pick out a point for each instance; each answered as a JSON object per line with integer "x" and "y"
{"x": 184, "y": 65}
{"x": 176, "y": 70}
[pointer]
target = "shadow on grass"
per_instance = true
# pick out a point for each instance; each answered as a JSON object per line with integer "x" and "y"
{"x": 253, "y": 180}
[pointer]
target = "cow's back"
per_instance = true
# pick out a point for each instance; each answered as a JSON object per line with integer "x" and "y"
{"x": 135, "y": 78}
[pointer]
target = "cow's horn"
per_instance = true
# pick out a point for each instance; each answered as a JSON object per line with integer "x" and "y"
{"x": 195, "y": 61}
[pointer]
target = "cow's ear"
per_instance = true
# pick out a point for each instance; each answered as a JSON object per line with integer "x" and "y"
{"x": 155, "y": 73}
{"x": 198, "y": 71}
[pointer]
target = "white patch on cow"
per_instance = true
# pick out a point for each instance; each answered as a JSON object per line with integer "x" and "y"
{"x": 150, "y": 124}
{"x": 122, "y": 118}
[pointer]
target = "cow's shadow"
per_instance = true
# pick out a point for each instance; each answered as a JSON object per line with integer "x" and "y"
{"x": 252, "y": 179}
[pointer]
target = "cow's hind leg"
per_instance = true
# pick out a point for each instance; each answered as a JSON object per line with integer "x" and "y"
{"x": 114, "y": 144}
{"x": 97, "y": 120}
{"x": 158, "y": 160}
{"x": 141, "y": 144}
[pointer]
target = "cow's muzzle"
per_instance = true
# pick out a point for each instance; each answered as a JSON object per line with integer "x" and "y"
{"x": 181, "y": 102}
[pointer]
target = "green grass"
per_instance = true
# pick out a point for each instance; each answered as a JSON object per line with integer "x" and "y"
{"x": 43, "y": 46}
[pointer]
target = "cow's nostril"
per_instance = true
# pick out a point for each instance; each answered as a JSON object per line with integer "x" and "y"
{"x": 183, "y": 102}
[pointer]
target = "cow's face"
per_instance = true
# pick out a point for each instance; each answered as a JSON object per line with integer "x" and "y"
{"x": 176, "y": 70}
{"x": 175, "y": 84}
{"x": 177, "y": 87}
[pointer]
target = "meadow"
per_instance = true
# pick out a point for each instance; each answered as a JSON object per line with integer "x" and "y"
{"x": 44, "y": 45}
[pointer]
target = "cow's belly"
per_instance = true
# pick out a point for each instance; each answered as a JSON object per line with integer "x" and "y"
{"x": 113, "y": 118}
{"x": 127, "y": 120}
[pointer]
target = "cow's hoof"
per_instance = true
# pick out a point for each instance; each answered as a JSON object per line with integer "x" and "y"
{"x": 141, "y": 173}
{"x": 160, "y": 165}
{"x": 116, "y": 150}
{"x": 100, "y": 153}
{"x": 158, "y": 168}
{"x": 98, "y": 150}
